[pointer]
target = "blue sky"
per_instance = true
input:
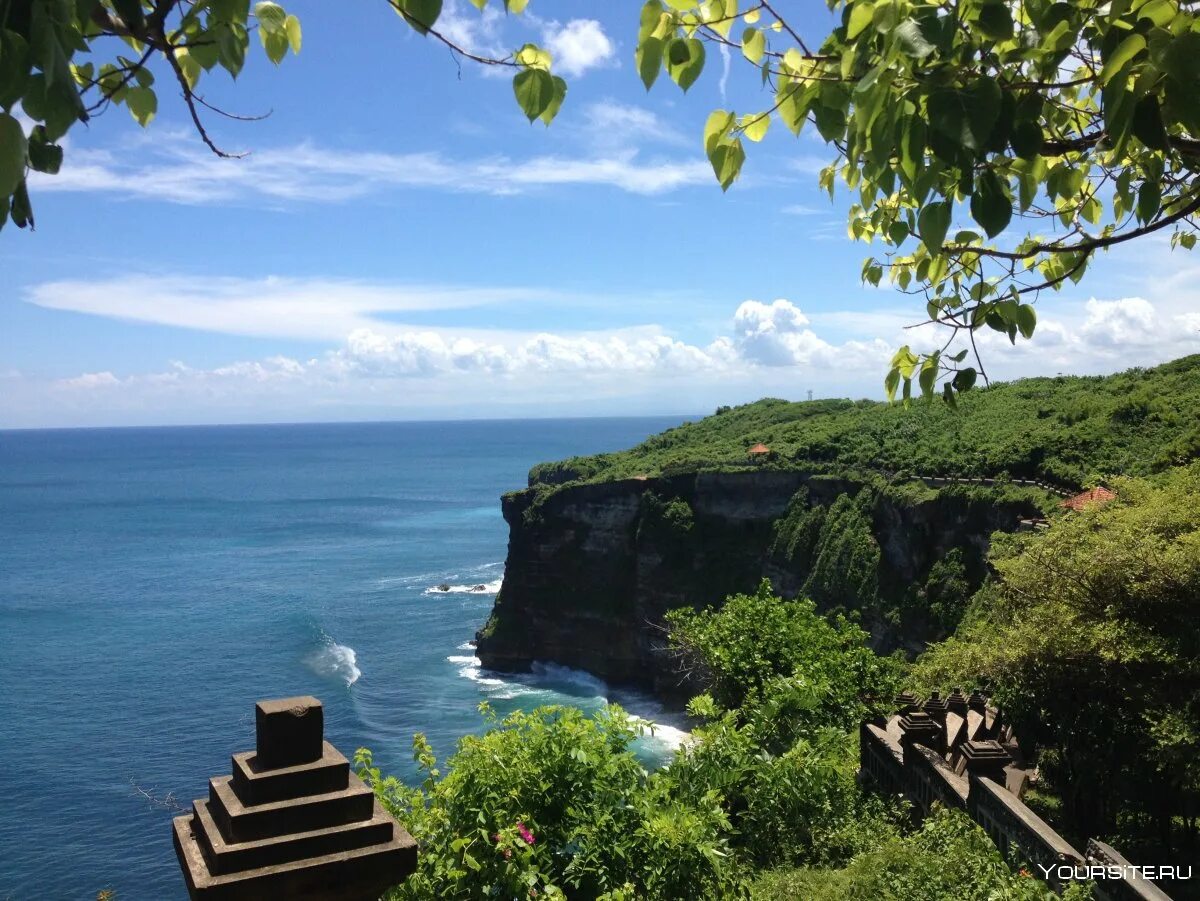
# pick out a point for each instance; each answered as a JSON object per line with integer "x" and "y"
{"x": 400, "y": 243}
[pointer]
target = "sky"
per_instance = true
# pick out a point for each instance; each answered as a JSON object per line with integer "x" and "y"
{"x": 399, "y": 243}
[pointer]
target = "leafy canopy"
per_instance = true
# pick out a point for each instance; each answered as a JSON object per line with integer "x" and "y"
{"x": 991, "y": 148}
{"x": 1088, "y": 639}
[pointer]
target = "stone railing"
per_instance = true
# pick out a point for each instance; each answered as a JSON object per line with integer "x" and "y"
{"x": 953, "y": 759}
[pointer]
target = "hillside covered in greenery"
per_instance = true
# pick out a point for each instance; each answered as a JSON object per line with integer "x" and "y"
{"x": 1084, "y": 633}
{"x": 1073, "y": 430}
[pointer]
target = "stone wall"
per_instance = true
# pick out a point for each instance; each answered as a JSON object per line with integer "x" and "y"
{"x": 957, "y": 753}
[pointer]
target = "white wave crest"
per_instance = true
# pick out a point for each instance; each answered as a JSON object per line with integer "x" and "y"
{"x": 568, "y": 681}
{"x": 471, "y": 668}
{"x": 491, "y": 587}
{"x": 552, "y": 683}
{"x": 335, "y": 661}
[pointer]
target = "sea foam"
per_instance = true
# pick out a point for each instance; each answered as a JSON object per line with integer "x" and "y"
{"x": 552, "y": 683}
{"x": 335, "y": 661}
{"x": 482, "y": 588}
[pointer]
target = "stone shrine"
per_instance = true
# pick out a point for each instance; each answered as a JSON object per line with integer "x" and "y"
{"x": 291, "y": 821}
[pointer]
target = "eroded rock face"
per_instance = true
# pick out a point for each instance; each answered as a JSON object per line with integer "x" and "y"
{"x": 592, "y": 568}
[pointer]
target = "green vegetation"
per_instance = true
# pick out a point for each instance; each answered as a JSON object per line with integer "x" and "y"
{"x": 948, "y": 859}
{"x": 1084, "y": 632}
{"x": 762, "y": 802}
{"x": 553, "y": 802}
{"x": 1075, "y": 430}
{"x": 753, "y": 639}
{"x": 1088, "y": 637}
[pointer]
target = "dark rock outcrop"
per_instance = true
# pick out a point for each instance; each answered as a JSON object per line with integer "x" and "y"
{"x": 592, "y": 568}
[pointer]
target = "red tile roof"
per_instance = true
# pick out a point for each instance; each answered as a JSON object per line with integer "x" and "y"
{"x": 1092, "y": 496}
{"x": 759, "y": 449}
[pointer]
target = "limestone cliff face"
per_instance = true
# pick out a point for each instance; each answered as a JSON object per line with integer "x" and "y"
{"x": 592, "y": 568}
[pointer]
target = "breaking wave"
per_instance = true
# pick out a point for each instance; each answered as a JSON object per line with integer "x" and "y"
{"x": 482, "y": 588}
{"x": 551, "y": 683}
{"x": 335, "y": 661}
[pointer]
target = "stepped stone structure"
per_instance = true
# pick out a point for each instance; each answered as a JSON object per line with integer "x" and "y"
{"x": 958, "y": 751}
{"x": 291, "y": 821}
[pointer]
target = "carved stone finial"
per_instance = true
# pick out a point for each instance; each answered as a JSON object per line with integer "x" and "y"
{"x": 291, "y": 821}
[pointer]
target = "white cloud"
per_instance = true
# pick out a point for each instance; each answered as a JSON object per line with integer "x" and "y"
{"x": 579, "y": 45}
{"x": 475, "y": 31}
{"x": 90, "y": 380}
{"x": 612, "y": 124}
{"x": 778, "y": 334}
{"x": 371, "y": 358}
{"x": 1094, "y": 336}
{"x": 799, "y": 209}
{"x": 725, "y": 64}
{"x": 174, "y": 168}
{"x": 1118, "y": 323}
{"x": 308, "y": 309}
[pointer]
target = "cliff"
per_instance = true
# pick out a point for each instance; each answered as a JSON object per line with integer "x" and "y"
{"x": 592, "y": 567}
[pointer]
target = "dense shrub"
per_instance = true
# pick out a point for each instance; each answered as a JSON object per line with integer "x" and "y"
{"x": 553, "y": 802}
{"x": 948, "y": 859}
{"x": 757, "y": 638}
{"x": 1088, "y": 637}
{"x": 1071, "y": 429}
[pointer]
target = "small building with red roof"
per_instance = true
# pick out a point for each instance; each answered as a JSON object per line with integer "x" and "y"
{"x": 759, "y": 452}
{"x": 1098, "y": 495}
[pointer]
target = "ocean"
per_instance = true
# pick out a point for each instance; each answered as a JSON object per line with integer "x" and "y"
{"x": 156, "y": 582}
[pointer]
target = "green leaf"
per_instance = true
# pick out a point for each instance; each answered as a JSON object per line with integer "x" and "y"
{"x": 727, "y": 158}
{"x": 21, "y": 211}
{"x": 188, "y": 66}
{"x": 990, "y": 204}
{"x": 933, "y": 223}
{"x": 232, "y": 11}
{"x": 685, "y": 60}
{"x": 912, "y": 40}
{"x": 754, "y": 45}
{"x": 1148, "y": 123}
{"x": 1122, "y": 56}
{"x": 275, "y": 43}
{"x": 995, "y": 21}
{"x": 862, "y": 13}
{"x": 648, "y": 59}
{"x": 534, "y": 57}
{"x": 13, "y": 152}
{"x": 1149, "y": 200}
{"x": 534, "y": 89}
{"x": 231, "y": 48}
{"x": 204, "y": 51}
{"x": 964, "y": 379}
{"x": 270, "y": 16}
{"x": 891, "y": 383}
{"x": 15, "y": 65}
{"x": 792, "y": 105}
{"x": 649, "y": 19}
{"x": 131, "y": 14}
{"x": 44, "y": 156}
{"x": 291, "y": 27}
{"x": 968, "y": 116}
{"x": 1026, "y": 320}
{"x": 1026, "y": 139}
{"x": 556, "y": 102}
{"x": 716, "y": 128}
{"x": 142, "y": 103}
{"x": 422, "y": 14}
{"x": 928, "y": 377}
{"x": 755, "y": 125}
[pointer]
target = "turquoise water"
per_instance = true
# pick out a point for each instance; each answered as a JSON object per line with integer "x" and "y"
{"x": 155, "y": 582}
